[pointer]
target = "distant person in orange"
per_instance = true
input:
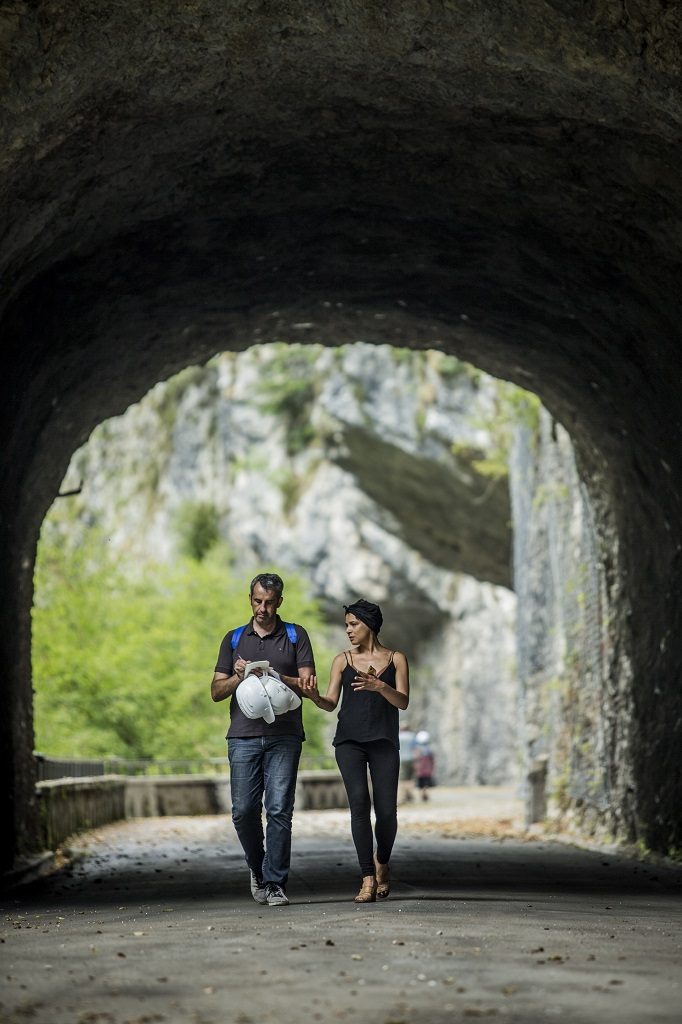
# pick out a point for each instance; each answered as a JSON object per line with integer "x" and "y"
{"x": 372, "y": 682}
{"x": 424, "y": 763}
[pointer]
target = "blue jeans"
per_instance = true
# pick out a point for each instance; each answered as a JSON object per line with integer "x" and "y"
{"x": 263, "y": 770}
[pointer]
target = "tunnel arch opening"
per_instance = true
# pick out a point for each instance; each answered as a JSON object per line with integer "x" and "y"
{"x": 337, "y": 309}
{"x": 359, "y": 469}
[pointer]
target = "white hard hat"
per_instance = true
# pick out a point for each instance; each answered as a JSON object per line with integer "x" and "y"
{"x": 422, "y": 736}
{"x": 252, "y": 698}
{"x": 282, "y": 697}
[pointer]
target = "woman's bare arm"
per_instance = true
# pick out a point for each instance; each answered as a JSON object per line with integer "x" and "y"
{"x": 309, "y": 688}
{"x": 295, "y": 683}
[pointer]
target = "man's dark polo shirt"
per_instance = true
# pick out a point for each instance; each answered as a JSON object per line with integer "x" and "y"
{"x": 285, "y": 657}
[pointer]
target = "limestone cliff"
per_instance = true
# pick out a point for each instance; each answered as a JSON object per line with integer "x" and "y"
{"x": 574, "y": 679}
{"x": 362, "y": 468}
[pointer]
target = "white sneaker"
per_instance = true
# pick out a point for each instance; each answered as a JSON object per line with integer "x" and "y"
{"x": 275, "y": 895}
{"x": 258, "y": 890}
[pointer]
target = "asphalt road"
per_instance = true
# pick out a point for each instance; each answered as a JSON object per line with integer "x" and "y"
{"x": 153, "y": 922}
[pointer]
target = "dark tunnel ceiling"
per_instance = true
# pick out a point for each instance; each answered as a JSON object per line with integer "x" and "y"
{"x": 192, "y": 177}
{"x": 509, "y": 171}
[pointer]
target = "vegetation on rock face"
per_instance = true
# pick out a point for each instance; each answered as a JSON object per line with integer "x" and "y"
{"x": 122, "y": 663}
{"x": 291, "y": 392}
{"x": 513, "y": 408}
{"x": 197, "y": 525}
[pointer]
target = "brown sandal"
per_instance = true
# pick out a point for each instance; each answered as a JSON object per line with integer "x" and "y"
{"x": 368, "y": 890}
{"x": 383, "y": 876}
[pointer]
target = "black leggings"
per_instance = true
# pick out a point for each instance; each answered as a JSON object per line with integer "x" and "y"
{"x": 383, "y": 760}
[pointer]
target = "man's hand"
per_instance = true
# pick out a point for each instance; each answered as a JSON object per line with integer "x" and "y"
{"x": 239, "y": 667}
{"x": 224, "y": 686}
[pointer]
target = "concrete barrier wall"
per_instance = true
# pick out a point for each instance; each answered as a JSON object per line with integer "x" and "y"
{"x": 320, "y": 791}
{"x": 160, "y": 796}
{"x": 72, "y": 805}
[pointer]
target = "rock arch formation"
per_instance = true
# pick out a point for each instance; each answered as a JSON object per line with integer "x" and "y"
{"x": 499, "y": 181}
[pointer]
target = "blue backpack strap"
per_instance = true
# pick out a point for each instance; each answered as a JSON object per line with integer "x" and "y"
{"x": 289, "y": 626}
{"x": 291, "y": 632}
{"x": 236, "y": 637}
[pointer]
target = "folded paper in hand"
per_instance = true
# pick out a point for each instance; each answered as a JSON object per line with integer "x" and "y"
{"x": 251, "y": 665}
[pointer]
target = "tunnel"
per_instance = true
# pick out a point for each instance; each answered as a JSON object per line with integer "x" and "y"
{"x": 500, "y": 182}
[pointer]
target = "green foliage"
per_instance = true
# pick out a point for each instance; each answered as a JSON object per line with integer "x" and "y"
{"x": 291, "y": 486}
{"x": 291, "y": 392}
{"x": 173, "y": 390}
{"x": 403, "y": 355}
{"x": 513, "y": 407}
{"x": 451, "y": 368}
{"x": 552, "y": 491}
{"x": 420, "y": 422}
{"x": 197, "y": 527}
{"x": 122, "y": 663}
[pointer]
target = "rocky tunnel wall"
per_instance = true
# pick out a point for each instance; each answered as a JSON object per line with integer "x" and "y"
{"x": 501, "y": 183}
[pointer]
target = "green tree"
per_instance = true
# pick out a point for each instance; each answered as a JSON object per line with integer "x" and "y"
{"x": 122, "y": 662}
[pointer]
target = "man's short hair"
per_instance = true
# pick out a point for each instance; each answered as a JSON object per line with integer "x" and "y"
{"x": 268, "y": 581}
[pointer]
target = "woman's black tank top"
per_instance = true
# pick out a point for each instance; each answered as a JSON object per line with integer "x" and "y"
{"x": 365, "y": 715}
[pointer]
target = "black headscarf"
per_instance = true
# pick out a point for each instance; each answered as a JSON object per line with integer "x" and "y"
{"x": 367, "y": 612}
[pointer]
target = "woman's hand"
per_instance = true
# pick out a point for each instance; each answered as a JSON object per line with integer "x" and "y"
{"x": 367, "y": 681}
{"x": 308, "y": 687}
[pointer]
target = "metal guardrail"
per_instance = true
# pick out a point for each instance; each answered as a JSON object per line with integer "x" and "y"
{"x": 51, "y": 768}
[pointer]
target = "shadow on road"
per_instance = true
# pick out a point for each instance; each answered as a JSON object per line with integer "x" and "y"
{"x": 137, "y": 864}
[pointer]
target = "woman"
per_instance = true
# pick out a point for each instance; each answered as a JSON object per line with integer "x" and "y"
{"x": 374, "y": 683}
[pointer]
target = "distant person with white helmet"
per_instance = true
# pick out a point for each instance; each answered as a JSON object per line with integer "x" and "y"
{"x": 424, "y": 763}
{"x": 266, "y": 732}
{"x": 406, "y": 739}
{"x": 372, "y": 682}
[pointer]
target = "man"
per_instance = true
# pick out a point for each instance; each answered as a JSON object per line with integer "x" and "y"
{"x": 264, "y": 758}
